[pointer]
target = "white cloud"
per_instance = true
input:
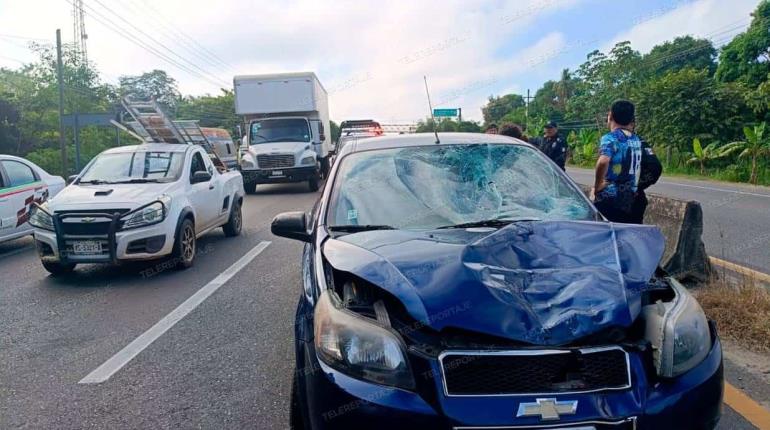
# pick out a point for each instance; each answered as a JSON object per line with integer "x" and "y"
{"x": 713, "y": 19}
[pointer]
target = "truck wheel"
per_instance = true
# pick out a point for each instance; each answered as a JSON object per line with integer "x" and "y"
{"x": 57, "y": 269}
{"x": 250, "y": 187}
{"x": 184, "y": 245}
{"x": 312, "y": 183}
{"x": 235, "y": 222}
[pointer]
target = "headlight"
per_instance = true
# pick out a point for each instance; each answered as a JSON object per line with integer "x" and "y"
{"x": 679, "y": 333}
{"x": 247, "y": 164}
{"x": 358, "y": 346}
{"x": 150, "y": 214}
{"x": 308, "y": 160}
{"x": 40, "y": 218}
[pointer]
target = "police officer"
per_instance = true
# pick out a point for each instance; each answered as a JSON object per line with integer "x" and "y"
{"x": 553, "y": 145}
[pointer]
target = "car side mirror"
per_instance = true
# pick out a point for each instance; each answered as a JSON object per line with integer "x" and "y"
{"x": 200, "y": 176}
{"x": 292, "y": 225}
{"x": 322, "y": 136}
{"x": 71, "y": 179}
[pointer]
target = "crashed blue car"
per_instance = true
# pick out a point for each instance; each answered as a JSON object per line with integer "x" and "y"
{"x": 465, "y": 282}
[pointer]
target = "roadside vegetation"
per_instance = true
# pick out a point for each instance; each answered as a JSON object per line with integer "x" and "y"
{"x": 741, "y": 309}
{"x": 704, "y": 110}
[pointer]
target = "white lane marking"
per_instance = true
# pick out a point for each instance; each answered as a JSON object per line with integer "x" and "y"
{"x": 117, "y": 361}
{"x": 747, "y": 193}
{"x": 700, "y": 187}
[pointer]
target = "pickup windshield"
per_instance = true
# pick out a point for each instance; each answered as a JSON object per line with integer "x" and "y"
{"x": 134, "y": 167}
{"x": 453, "y": 186}
{"x": 279, "y": 130}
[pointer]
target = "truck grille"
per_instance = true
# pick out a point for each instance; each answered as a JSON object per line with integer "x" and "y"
{"x": 87, "y": 223}
{"x": 275, "y": 161}
{"x": 494, "y": 373}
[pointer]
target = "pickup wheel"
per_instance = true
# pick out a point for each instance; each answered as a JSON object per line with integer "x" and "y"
{"x": 184, "y": 246}
{"x": 235, "y": 222}
{"x": 312, "y": 183}
{"x": 250, "y": 187}
{"x": 58, "y": 269}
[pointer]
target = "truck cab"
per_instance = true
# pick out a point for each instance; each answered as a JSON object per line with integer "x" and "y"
{"x": 286, "y": 119}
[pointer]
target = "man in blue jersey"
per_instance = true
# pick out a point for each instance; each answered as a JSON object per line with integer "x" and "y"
{"x": 619, "y": 165}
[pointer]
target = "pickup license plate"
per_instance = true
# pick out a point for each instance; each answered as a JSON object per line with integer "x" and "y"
{"x": 276, "y": 173}
{"x": 88, "y": 247}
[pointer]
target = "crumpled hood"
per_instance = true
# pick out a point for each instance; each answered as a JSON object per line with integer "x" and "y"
{"x": 544, "y": 283}
{"x": 116, "y": 196}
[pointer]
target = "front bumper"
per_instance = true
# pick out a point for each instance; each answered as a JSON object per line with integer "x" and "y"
{"x": 277, "y": 176}
{"x": 691, "y": 401}
{"x": 117, "y": 245}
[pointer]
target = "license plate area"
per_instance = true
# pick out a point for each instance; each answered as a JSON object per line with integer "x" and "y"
{"x": 86, "y": 247}
{"x": 276, "y": 173}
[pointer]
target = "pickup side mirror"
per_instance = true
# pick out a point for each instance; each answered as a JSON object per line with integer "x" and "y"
{"x": 292, "y": 225}
{"x": 71, "y": 179}
{"x": 200, "y": 176}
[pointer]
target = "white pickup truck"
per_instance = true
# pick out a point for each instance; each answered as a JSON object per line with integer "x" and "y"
{"x": 138, "y": 202}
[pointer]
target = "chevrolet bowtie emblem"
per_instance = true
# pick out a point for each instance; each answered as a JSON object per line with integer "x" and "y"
{"x": 547, "y": 409}
{"x": 87, "y": 219}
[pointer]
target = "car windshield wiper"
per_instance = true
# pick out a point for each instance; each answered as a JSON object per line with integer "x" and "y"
{"x": 353, "y": 228}
{"x": 95, "y": 182}
{"x": 494, "y": 222}
{"x": 136, "y": 181}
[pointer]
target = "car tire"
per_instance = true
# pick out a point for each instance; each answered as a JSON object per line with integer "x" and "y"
{"x": 250, "y": 187}
{"x": 313, "y": 183}
{"x": 296, "y": 421}
{"x": 184, "y": 245}
{"x": 235, "y": 222}
{"x": 58, "y": 269}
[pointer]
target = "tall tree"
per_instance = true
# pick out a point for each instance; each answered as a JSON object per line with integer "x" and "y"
{"x": 747, "y": 57}
{"x": 679, "y": 53}
{"x": 157, "y": 85}
{"x": 497, "y": 107}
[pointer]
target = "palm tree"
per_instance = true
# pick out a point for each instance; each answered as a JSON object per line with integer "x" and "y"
{"x": 702, "y": 155}
{"x": 755, "y": 146}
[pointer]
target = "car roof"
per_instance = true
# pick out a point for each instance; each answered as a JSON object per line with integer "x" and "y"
{"x": 150, "y": 147}
{"x": 426, "y": 139}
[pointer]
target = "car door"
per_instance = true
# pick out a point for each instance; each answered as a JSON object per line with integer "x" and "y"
{"x": 21, "y": 187}
{"x": 204, "y": 195}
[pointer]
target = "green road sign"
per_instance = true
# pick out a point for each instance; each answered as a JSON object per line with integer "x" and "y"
{"x": 444, "y": 112}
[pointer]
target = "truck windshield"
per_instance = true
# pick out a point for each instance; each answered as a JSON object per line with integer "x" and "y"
{"x": 134, "y": 167}
{"x": 451, "y": 186}
{"x": 280, "y": 130}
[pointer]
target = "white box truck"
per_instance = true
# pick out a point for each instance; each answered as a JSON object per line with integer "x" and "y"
{"x": 286, "y": 138}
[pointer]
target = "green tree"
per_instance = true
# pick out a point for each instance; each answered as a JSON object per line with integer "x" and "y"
{"x": 497, "y": 107}
{"x": 755, "y": 146}
{"x": 210, "y": 111}
{"x": 703, "y": 155}
{"x": 334, "y": 132}
{"x": 680, "y": 53}
{"x": 156, "y": 85}
{"x": 746, "y": 58}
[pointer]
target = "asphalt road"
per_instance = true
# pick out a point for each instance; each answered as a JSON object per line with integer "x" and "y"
{"x": 736, "y": 216}
{"x": 226, "y": 364}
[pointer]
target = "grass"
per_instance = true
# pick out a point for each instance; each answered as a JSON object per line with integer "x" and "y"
{"x": 741, "y": 310}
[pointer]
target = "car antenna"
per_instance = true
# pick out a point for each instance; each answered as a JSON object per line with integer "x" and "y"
{"x": 430, "y": 106}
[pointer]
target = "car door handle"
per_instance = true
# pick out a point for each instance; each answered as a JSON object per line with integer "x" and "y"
{"x": 211, "y": 186}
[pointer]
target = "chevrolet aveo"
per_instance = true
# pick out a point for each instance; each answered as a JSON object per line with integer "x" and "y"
{"x": 469, "y": 284}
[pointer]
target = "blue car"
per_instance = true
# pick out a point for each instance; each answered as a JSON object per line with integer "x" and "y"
{"x": 463, "y": 281}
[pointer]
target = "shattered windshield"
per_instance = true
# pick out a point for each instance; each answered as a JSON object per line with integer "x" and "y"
{"x": 429, "y": 187}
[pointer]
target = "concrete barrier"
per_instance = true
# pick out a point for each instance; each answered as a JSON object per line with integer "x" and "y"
{"x": 681, "y": 222}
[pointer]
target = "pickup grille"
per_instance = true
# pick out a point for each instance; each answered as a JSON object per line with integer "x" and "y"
{"x": 535, "y": 372}
{"x": 275, "y": 161}
{"x": 73, "y": 223}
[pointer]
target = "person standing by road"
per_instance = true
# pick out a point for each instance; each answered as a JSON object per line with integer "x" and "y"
{"x": 552, "y": 144}
{"x": 619, "y": 165}
{"x": 513, "y": 130}
{"x": 491, "y": 129}
{"x": 650, "y": 173}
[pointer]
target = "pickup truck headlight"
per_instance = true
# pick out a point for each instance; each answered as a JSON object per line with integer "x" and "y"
{"x": 39, "y": 217}
{"x": 679, "y": 333}
{"x": 150, "y": 214}
{"x": 309, "y": 160}
{"x": 358, "y": 346}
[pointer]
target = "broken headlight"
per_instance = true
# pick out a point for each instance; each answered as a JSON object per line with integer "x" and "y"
{"x": 358, "y": 346}
{"x": 679, "y": 332}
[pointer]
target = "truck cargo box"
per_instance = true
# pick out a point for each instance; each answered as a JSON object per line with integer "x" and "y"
{"x": 278, "y": 93}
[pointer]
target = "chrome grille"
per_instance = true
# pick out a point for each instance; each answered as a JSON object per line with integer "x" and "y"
{"x": 275, "y": 161}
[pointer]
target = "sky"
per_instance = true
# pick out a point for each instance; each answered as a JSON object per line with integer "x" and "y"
{"x": 370, "y": 56}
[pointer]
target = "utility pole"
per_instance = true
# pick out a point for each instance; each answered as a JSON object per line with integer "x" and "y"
{"x": 459, "y": 114}
{"x": 526, "y": 110}
{"x": 62, "y": 143}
